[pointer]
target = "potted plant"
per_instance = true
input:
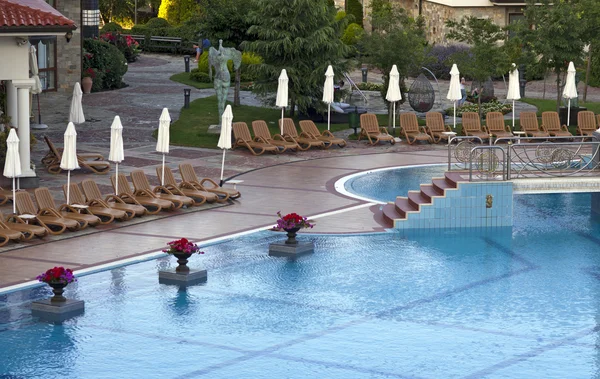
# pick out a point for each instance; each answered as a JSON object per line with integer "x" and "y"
{"x": 88, "y": 79}
{"x": 57, "y": 278}
{"x": 291, "y": 223}
{"x": 182, "y": 249}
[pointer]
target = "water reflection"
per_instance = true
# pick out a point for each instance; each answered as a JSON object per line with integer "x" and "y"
{"x": 183, "y": 304}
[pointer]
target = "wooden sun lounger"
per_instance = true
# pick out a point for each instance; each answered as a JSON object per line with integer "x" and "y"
{"x": 243, "y": 138}
{"x": 188, "y": 175}
{"x": 435, "y": 127}
{"x": 185, "y": 189}
{"x": 309, "y": 127}
{"x": 50, "y": 219}
{"x": 495, "y": 125}
{"x": 551, "y": 125}
{"x": 98, "y": 209}
{"x": 5, "y": 195}
{"x": 8, "y": 234}
{"x": 51, "y": 156}
{"x": 142, "y": 185}
{"x": 586, "y": 123}
{"x": 29, "y": 231}
{"x": 530, "y": 125}
{"x": 97, "y": 167}
{"x": 261, "y": 130}
{"x": 305, "y": 141}
{"x": 83, "y": 216}
{"x": 141, "y": 197}
{"x": 411, "y": 130}
{"x": 93, "y": 195}
{"x": 598, "y": 120}
{"x": 369, "y": 128}
{"x": 472, "y": 125}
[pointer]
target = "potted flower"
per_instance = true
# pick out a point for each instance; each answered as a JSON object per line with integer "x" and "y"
{"x": 291, "y": 223}
{"x": 57, "y": 278}
{"x": 182, "y": 249}
{"x": 88, "y": 79}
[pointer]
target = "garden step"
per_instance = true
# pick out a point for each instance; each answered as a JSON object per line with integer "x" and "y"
{"x": 390, "y": 213}
{"x": 416, "y": 198}
{"x": 403, "y": 206}
{"x": 429, "y": 191}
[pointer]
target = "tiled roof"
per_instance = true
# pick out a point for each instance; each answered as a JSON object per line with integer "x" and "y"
{"x": 30, "y": 13}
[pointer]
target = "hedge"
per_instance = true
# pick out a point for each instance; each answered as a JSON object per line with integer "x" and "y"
{"x": 107, "y": 62}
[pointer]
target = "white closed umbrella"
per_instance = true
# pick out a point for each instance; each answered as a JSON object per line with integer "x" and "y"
{"x": 76, "y": 114}
{"x": 514, "y": 93}
{"x": 282, "y": 94}
{"x": 570, "y": 90}
{"x": 116, "y": 147}
{"x": 162, "y": 143}
{"x": 393, "y": 93}
{"x": 328, "y": 93}
{"x": 454, "y": 93}
{"x": 35, "y": 72}
{"x": 12, "y": 163}
{"x": 69, "y": 155}
{"x": 225, "y": 137}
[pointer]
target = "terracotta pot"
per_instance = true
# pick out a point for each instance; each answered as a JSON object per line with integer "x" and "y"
{"x": 86, "y": 84}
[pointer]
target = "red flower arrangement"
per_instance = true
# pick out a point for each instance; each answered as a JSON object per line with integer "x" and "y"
{"x": 292, "y": 220}
{"x": 182, "y": 246}
{"x": 89, "y": 72}
{"x": 57, "y": 275}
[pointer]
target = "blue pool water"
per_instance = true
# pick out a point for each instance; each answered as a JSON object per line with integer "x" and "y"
{"x": 510, "y": 303}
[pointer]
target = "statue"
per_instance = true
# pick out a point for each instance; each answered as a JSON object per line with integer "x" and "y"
{"x": 219, "y": 59}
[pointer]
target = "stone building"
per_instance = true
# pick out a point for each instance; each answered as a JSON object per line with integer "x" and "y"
{"x": 436, "y": 12}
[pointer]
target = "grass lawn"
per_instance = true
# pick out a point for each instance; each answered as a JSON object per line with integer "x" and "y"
{"x": 184, "y": 78}
{"x": 192, "y": 126}
{"x": 545, "y": 105}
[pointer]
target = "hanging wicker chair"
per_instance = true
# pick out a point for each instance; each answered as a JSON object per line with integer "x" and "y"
{"x": 421, "y": 95}
{"x": 488, "y": 91}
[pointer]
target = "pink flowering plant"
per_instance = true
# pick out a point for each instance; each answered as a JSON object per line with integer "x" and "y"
{"x": 293, "y": 220}
{"x": 57, "y": 275}
{"x": 182, "y": 246}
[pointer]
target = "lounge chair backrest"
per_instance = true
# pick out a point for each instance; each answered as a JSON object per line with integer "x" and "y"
{"x": 187, "y": 173}
{"x": 91, "y": 190}
{"x": 241, "y": 131}
{"x": 44, "y": 198}
{"x": 409, "y": 122}
{"x": 435, "y": 121}
{"x": 529, "y": 121}
{"x": 123, "y": 184}
{"x": 288, "y": 127}
{"x": 52, "y": 148}
{"x": 368, "y": 122}
{"x": 169, "y": 177}
{"x": 24, "y": 203}
{"x": 495, "y": 121}
{"x": 598, "y": 120}
{"x": 550, "y": 120}
{"x": 261, "y": 129}
{"x": 471, "y": 122}
{"x": 75, "y": 195}
{"x": 140, "y": 181}
{"x": 309, "y": 127}
{"x": 586, "y": 120}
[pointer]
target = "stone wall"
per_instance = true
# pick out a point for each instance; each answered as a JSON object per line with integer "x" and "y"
{"x": 68, "y": 57}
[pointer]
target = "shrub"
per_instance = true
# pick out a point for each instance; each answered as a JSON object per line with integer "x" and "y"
{"x": 107, "y": 61}
{"x": 370, "y": 86}
{"x": 492, "y": 106}
{"x": 352, "y": 34}
{"x": 111, "y": 27}
{"x": 157, "y": 22}
{"x": 354, "y": 8}
{"x": 248, "y": 59}
{"x": 199, "y": 76}
{"x": 126, "y": 45}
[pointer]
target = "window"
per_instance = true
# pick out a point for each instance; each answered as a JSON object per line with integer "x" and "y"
{"x": 46, "y": 58}
{"x": 512, "y": 18}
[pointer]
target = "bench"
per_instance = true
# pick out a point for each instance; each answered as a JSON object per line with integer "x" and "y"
{"x": 167, "y": 43}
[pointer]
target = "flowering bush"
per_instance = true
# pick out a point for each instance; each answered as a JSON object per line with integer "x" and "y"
{"x": 57, "y": 275}
{"x": 492, "y": 106}
{"x": 127, "y": 45}
{"x": 182, "y": 246}
{"x": 89, "y": 72}
{"x": 292, "y": 220}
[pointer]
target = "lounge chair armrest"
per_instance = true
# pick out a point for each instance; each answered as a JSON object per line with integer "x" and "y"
{"x": 209, "y": 180}
{"x": 447, "y": 128}
{"x": 307, "y": 135}
{"x": 423, "y": 129}
{"x": 289, "y": 138}
{"x": 278, "y": 137}
{"x": 117, "y": 199}
{"x": 97, "y": 202}
{"x": 143, "y": 192}
{"x": 48, "y": 211}
{"x": 188, "y": 185}
{"x": 260, "y": 139}
{"x": 162, "y": 189}
{"x": 70, "y": 208}
{"x": 564, "y": 127}
{"x": 327, "y": 133}
{"x": 383, "y": 130}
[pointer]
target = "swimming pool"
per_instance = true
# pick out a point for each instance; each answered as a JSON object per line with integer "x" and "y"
{"x": 509, "y": 303}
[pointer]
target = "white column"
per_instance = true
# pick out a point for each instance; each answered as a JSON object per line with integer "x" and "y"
{"x": 11, "y": 103}
{"x": 23, "y": 131}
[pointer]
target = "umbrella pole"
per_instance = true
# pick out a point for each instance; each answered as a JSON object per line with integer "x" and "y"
{"x": 117, "y": 181}
{"x": 569, "y": 113}
{"x": 394, "y": 119}
{"x": 454, "y": 114}
{"x": 222, "y": 168}
{"x": 162, "y": 179}
{"x": 14, "y": 193}
{"x": 513, "y": 112}
{"x": 281, "y": 121}
{"x": 68, "y": 185}
{"x": 328, "y": 116}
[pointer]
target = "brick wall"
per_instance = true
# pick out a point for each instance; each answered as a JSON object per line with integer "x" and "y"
{"x": 68, "y": 59}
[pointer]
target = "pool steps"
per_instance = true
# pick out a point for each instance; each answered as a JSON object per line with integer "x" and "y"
{"x": 403, "y": 206}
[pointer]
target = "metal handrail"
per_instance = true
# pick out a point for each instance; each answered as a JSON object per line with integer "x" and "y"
{"x": 352, "y": 84}
{"x": 529, "y": 139}
{"x": 450, "y": 140}
{"x": 473, "y": 150}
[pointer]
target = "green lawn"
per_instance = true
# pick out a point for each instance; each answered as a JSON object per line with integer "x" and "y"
{"x": 184, "y": 78}
{"x": 192, "y": 126}
{"x": 545, "y": 105}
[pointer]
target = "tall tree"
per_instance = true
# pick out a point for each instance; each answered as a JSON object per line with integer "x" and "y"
{"x": 301, "y": 36}
{"x": 119, "y": 9}
{"x": 225, "y": 19}
{"x": 487, "y": 56}
{"x": 178, "y": 11}
{"x": 354, "y": 8}
{"x": 396, "y": 39}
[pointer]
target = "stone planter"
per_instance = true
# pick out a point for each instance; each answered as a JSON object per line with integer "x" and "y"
{"x": 86, "y": 84}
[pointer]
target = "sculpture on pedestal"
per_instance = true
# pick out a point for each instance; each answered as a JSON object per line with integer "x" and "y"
{"x": 218, "y": 59}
